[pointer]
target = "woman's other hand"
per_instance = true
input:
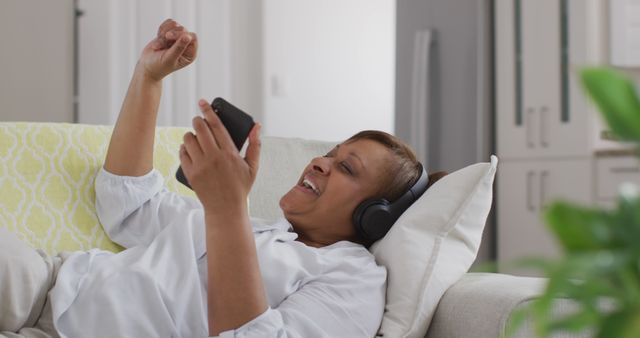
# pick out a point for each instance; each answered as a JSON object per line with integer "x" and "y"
{"x": 218, "y": 174}
{"x": 173, "y": 48}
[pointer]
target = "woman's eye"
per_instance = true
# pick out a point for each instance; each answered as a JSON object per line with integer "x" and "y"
{"x": 346, "y": 168}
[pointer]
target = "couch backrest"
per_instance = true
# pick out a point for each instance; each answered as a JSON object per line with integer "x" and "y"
{"x": 47, "y": 172}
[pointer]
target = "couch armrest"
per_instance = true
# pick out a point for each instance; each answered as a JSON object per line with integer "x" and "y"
{"x": 480, "y": 304}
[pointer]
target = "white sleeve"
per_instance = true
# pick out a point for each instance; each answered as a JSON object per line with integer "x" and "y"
{"x": 134, "y": 209}
{"x": 346, "y": 306}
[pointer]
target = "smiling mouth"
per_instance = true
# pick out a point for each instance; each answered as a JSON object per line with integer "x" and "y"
{"x": 309, "y": 186}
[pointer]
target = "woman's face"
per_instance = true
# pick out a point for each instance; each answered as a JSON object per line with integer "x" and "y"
{"x": 321, "y": 204}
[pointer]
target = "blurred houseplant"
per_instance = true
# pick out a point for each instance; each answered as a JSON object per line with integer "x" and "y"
{"x": 600, "y": 270}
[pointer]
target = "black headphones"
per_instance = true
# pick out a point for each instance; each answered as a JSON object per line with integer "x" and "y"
{"x": 374, "y": 217}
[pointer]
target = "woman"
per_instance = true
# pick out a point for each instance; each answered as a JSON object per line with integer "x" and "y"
{"x": 204, "y": 268}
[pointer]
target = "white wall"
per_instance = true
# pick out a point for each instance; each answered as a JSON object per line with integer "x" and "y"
{"x": 246, "y": 52}
{"x": 113, "y": 33}
{"x": 329, "y": 67}
{"x": 36, "y": 60}
{"x": 334, "y": 61}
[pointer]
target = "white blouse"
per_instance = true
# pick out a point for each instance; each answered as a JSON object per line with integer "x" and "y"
{"x": 157, "y": 287}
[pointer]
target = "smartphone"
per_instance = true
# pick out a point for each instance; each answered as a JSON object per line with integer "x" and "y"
{"x": 237, "y": 122}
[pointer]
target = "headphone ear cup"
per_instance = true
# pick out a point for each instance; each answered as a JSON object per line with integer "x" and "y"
{"x": 373, "y": 219}
{"x": 357, "y": 216}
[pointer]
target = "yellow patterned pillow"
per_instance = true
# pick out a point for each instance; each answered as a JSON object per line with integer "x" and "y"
{"x": 46, "y": 181}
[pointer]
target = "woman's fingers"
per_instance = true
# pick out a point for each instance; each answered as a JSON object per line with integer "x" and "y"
{"x": 205, "y": 137}
{"x": 220, "y": 133}
{"x": 192, "y": 48}
{"x": 170, "y": 31}
{"x": 167, "y": 26}
{"x": 164, "y": 28}
{"x": 179, "y": 47}
{"x": 193, "y": 148}
{"x": 185, "y": 160}
{"x": 252, "y": 157}
{"x": 174, "y": 33}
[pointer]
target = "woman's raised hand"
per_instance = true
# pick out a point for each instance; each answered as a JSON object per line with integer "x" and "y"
{"x": 218, "y": 174}
{"x": 173, "y": 48}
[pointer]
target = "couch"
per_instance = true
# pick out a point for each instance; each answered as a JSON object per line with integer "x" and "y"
{"x": 46, "y": 183}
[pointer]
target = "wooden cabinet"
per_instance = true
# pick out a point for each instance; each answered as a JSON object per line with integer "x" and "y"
{"x": 525, "y": 188}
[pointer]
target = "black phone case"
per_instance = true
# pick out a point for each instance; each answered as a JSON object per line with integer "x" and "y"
{"x": 237, "y": 122}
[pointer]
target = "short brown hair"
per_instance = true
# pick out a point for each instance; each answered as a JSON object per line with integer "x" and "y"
{"x": 400, "y": 174}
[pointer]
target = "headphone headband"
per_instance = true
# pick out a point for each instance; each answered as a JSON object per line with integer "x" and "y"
{"x": 417, "y": 189}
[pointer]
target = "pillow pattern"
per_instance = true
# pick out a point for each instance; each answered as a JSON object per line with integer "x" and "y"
{"x": 46, "y": 178}
{"x": 432, "y": 245}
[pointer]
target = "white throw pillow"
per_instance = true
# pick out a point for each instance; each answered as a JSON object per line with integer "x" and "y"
{"x": 432, "y": 245}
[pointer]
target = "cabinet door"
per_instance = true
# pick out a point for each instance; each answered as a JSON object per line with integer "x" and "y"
{"x": 525, "y": 188}
{"x": 511, "y": 124}
{"x": 564, "y": 112}
{"x": 541, "y": 71}
{"x": 612, "y": 173}
{"x": 541, "y": 110}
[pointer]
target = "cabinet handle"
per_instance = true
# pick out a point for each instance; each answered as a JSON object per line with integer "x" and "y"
{"x": 625, "y": 170}
{"x": 543, "y": 188}
{"x": 544, "y": 111}
{"x": 530, "y": 116}
{"x": 530, "y": 206}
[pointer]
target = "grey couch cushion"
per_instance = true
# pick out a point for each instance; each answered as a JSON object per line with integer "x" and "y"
{"x": 480, "y": 305}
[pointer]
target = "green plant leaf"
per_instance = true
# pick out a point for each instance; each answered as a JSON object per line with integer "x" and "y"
{"x": 621, "y": 324}
{"x": 576, "y": 322}
{"x": 600, "y": 271}
{"x": 516, "y": 319}
{"x": 587, "y": 278}
{"x": 491, "y": 267}
{"x": 626, "y": 221}
{"x": 579, "y": 229}
{"x": 616, "y": 99}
